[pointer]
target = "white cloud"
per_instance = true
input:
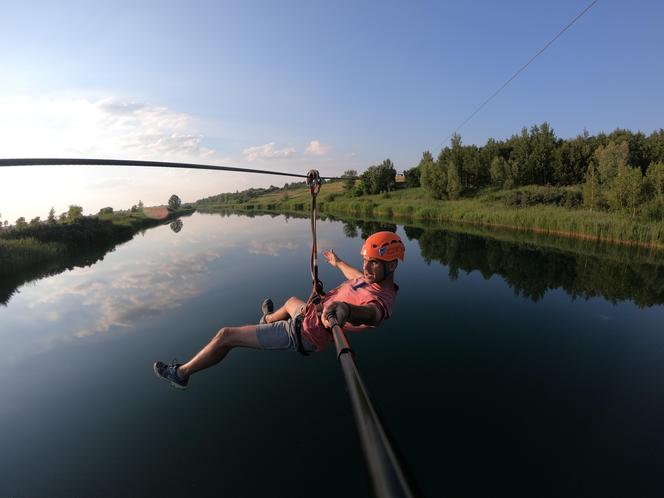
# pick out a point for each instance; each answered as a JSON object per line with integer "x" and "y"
{"x": 315, "y": 148}
{"x": 108, "y": 128}
{"x": 70, "y": 127}
{"x": 267, "y": 151}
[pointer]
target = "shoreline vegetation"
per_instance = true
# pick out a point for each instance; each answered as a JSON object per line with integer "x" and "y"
{"x": 530, "y": 263}
{"x": 33, "y": 250}
{"x": 604, "y": 188}
{"x": 488, "y": 209}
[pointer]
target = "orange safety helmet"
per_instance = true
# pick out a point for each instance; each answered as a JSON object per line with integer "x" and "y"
{"x": 385, "y": 246}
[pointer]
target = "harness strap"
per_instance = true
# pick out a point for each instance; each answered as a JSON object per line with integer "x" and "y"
{"x": 297, "y": 326}
{"x": 314, "y": 182}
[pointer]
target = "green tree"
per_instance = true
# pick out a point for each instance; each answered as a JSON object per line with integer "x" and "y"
{"x": 655, "y": 177}
{"x": 591, "y": 189}
{"x": 498, "y": 171}
{"x": 654, "y": 186}
{"x": 522, "y": 170}
{"x": 381, "y": 178}
{"x": 35, "y": 221}
{"x": 51, "y": 216}
{"x": 610, "y": 158}
{"x": 655, "y": 145}
{"x": 433, "y": 176}
{"x": 359, "y": 189}
{"x": 626, "y": 191}
{"x": 140, "y": 205}
{"x": 174, "y": 202}
{"x": 473, "y": 175}
{"x": 456, "y": 155}
{"x": 349, "y": 178}
{"x": 412, "y": 177}
{"x": 106, "y": 210}
{"x": 74, "y": 212}
{"x": 21, "y": 223}
{"x": 488, "y": 153}
{"x": 453, "y": 181}
{"x": 543, "y": 143}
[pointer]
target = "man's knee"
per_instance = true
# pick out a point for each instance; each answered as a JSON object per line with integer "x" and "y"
{"x": 294, "y": 304}
{"x": 236, "y": 336}
{"x": 224, "y": 336}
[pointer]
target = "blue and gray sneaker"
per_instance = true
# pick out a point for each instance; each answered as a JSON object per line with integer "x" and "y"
{"x": 267, "y": 307}
{"x": 170, "y": 373}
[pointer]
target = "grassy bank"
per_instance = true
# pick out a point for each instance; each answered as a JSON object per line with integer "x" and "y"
{"x": 488, "y": 208}
{"x": 25, "y": 247}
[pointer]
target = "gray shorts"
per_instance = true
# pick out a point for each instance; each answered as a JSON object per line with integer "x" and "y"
{"x": 280, "y": 335}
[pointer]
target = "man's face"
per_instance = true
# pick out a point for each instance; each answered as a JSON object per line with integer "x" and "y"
{"x": 373, "y": 270}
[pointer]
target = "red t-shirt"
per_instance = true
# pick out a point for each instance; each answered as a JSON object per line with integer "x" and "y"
{"x": 355, "y": 291}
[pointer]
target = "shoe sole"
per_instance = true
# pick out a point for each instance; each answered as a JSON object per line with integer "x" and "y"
{"x": 175, "y": 385}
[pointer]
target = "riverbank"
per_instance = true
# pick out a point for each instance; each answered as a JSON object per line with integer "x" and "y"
{"x": 46, "y": 247}
{"x": 488, "y": 208}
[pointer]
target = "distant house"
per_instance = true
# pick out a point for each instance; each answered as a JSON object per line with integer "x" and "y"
{"x": 400, "y": 178}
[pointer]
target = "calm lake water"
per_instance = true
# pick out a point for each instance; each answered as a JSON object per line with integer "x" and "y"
{"x": 507, "y": 368}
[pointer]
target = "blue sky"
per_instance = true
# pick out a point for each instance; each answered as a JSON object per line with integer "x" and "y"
{"x": 293, "y": 85}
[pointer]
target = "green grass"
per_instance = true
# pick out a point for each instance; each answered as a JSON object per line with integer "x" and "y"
{"x": 18, "y": 254}
{"x": 486, "y": 208}
{"x": 23, "y": 248}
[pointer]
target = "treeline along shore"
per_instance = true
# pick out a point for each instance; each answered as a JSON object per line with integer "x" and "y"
{"x": 607, "y": 187}
{"x": 31, "y": 250}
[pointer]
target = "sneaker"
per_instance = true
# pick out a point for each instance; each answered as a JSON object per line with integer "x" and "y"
{"x": 170, "y": 373}
{"x": 267, "y": 307}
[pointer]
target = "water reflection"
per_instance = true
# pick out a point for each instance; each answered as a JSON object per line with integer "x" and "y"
{"x": 176, "y": 226}
{"x": 133, "y": 291}
{"x": 272, "y": 247}
{"x": 10, "y": 284}
{"x": 580, "y": 268}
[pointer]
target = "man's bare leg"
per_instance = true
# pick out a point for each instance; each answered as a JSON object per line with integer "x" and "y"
{"x": 216, "y": 350}
{"x": 288, "y": 310}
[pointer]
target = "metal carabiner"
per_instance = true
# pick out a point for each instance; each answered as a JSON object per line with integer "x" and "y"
{"x": 314, "y": 181}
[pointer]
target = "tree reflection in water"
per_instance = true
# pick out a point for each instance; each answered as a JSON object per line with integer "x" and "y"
{"x": 177, "y": 225}
{"x": 580, "y": 268}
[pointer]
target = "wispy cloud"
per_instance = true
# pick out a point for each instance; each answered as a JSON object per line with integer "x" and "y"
{"x": 109, "y": 127}
{"x": 315, "y": 148}
{"x": 267, "y": 151}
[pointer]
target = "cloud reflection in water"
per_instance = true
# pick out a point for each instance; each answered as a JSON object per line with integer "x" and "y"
{"x": 131, "y": 291}
{"x": 272, "y": 247}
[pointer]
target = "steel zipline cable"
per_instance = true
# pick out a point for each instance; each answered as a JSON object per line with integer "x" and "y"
{"x": 147, "y": 164}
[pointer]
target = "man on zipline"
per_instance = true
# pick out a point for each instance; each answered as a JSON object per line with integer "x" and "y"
{"x": 364, "y": 300}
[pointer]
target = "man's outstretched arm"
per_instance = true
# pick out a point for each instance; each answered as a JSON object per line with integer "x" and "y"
{"x": 352, "y": 313}
{"x": 348, "y": 271}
